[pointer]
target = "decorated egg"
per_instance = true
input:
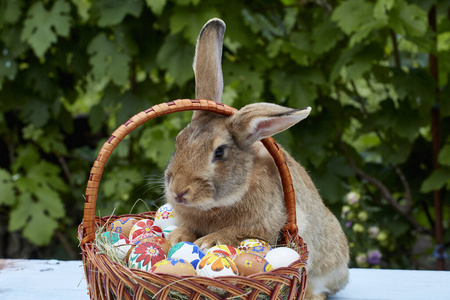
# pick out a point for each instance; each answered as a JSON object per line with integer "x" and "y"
{"x": 248, "y": 243}
{"x": 165, "y": 216}
{"x": 187, "y": 251}
{"x": 248, "y": 264}
{"x": 144, "y": 228}
{"x": 224, "y": 249}
{"x": 216, "y": 264}
{"x": 281, "y": 257}
{"x": 120, "y": 243}
{"x": 175, "y": 266}
{"x": 122, "y": 225}
{"x": 162, "y": 242}
{"x": 259, "y": 250}
{"x": 168, "y": 229}
{"x": 145, "y": 255}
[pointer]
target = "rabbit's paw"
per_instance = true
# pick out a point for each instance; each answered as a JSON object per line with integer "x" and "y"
{"x": 207, "y": 242}
{"x": 181, "y": 234}
{"x": 212, "y": 240}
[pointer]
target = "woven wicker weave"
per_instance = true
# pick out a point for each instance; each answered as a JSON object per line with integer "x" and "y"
{"x": 109, "y": 280}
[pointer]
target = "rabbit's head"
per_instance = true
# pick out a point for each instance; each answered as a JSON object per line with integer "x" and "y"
{"x": 213, "y": 161}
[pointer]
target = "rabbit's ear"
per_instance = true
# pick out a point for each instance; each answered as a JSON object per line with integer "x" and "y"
{"x": 208, "y": 61}
{"x": 260, "y": 120}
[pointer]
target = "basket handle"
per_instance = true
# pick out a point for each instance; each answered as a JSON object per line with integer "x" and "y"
{"x": 88, "y": 223}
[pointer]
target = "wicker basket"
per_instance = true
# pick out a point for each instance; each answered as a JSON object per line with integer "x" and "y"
{"x": 109, "y": 280}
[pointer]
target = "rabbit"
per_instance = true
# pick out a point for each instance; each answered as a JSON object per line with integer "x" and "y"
{"x": 224, "y": 185}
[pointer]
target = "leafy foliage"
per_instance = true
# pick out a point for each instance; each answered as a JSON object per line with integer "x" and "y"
{"x": 72, "y": 71}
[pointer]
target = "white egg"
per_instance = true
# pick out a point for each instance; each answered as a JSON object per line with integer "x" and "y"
{"x": 216, "y": 264}
{"x": 165, "y": 216}
{"x": 187, "y": 251}
{"x": 281, "y": 257}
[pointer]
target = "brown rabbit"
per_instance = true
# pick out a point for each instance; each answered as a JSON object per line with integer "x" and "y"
{"x": 224, "y": 186}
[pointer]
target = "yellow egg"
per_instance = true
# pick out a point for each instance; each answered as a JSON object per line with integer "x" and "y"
{"x": 174, "y": 266}
{"x": 248, "y": 243}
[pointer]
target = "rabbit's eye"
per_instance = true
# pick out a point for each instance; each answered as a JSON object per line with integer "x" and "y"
{"x": 219, "y": 153}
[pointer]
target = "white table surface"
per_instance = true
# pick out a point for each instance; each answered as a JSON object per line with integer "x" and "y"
{"x": 53, "y": 279}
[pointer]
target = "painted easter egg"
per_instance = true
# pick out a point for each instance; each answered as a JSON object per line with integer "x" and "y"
{"x": 248, "y": 243}
{"x": 259, "y": 250}
{"x": 162, "y": 242}
{"x": 248, "y": 264}
{"x": 120, "y": 244}
{"x": 144, "y": 228}
{"x": 282, "y": 257}
{"x": 122, "y": 225}
{"x": 168, "y": 229}
{"x": 175, "y": 266}
{"x": 216, "y": 264}
{"x": 145, "y": 255}
{"x": 187, "y": 251}
{"x": 229, "y": 251}
{"x": 165, "y": 216}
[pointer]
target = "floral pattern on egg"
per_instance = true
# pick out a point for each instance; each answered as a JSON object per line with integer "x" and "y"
{"x": 165, "y": 216}
{"x": 216, "y": 264}
{"x": 144, "y": 228}
{"x": 145, "y": 255}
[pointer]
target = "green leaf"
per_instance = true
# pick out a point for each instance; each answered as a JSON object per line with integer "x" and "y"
{"x": 325, "y": 36}
{"x": 42, "y": 27}
{"x": 157, "y": 6}
{"x": 107, "y": 61}
{"x": 259, "y": 23}
{"x": 21, "y": 213}
{"x": 444, "y": 155}
{"x": 443, "y": 41}
{"x": 112, "y": 12}
{"x": 6, "y": 188}
{"x": 157, "y": 145}
{"x": 120, "y": 182}
{"x": 176, "y": 55}
{"x": 360, "y": 11}
{"x": 299, "y": 89}
{"x": 437, "y": 180}
{"x": 300, "y": 93}
{"x": 40, "y": 228}
{"x": 381, "y": 8}
{"x": 190, "y": 21}
{"x": 247, "y": 82}
{"x": 39, "y": 202}
{"x": 187, "y": 2}
{"x": 83, "y": 7}
{"x": 408, "y": 19}
{"x": 357, "y": 60}
{"x": 10, "y": 12}
{"x": 36, "y": 112}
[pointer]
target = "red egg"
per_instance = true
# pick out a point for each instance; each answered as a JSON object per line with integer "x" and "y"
{"x": 144, "y": 228}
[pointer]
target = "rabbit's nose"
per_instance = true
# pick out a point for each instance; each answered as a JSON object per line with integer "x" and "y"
{"x": 179, "y": 198}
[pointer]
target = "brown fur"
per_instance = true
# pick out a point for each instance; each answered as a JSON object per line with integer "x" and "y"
{"x": 227, "y": 199}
